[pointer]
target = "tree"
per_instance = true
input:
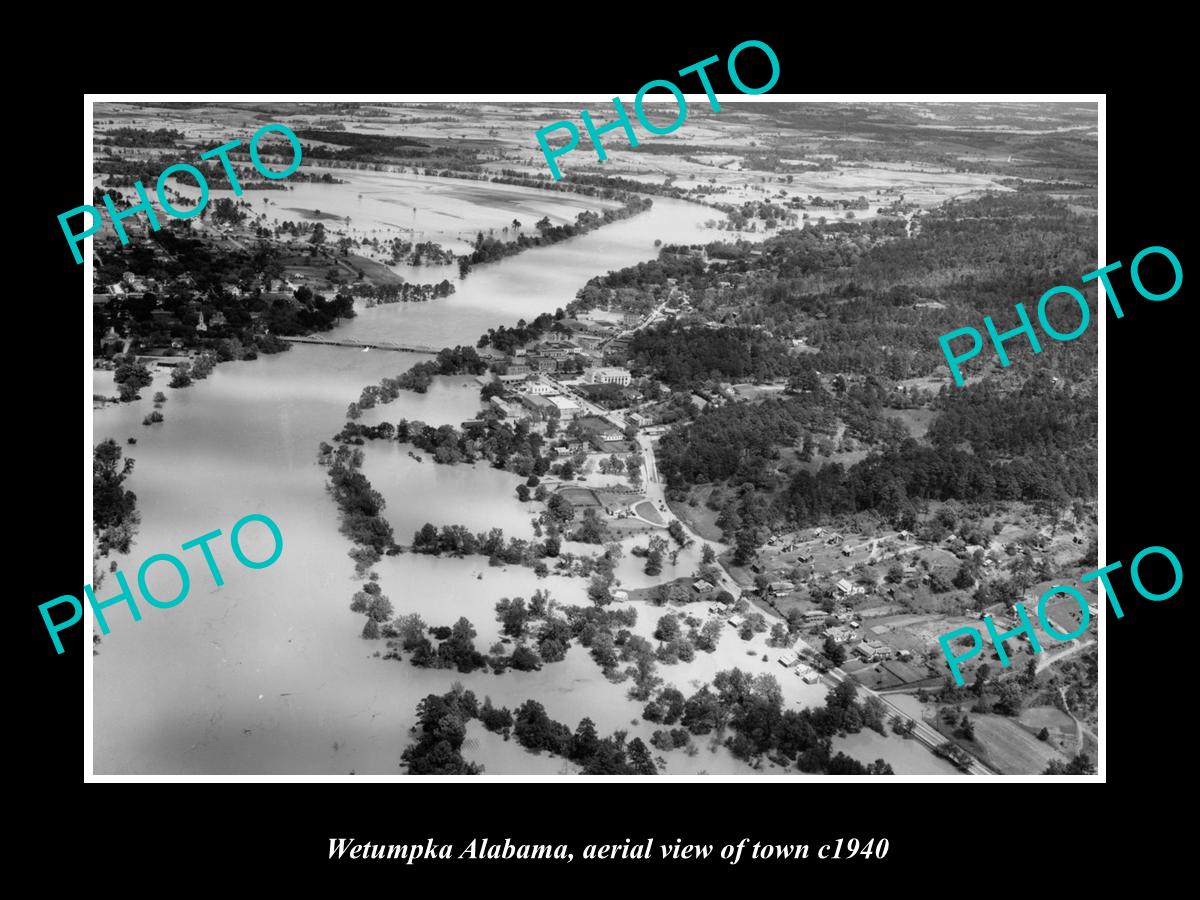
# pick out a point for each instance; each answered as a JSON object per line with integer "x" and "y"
{"x": 411, "y": 629}
{"x": 1044, "y": 734}
{"x": 523, "y": 493}
{"x": 963, "y": 579}
{"x": 707, "y": 555}
{"x": 1080, "y": 765}
{"x": 513, "y": 615}
{"x": 668, "y": 628}
{"x": 834, "y": 651}
{"x": 639, "y": 758}
{"x": 598, "y": 589}
{"x": 379, "y": 609}
{"x": 560, "y": 507}
{"x": 370, "y": 630}
{"x": 585, "y": 742}
{"x": 966, "y": 729}
{"x": 981, "y": 677}
{"x": 592, "y": 529}
{"x": 114, "y": 509}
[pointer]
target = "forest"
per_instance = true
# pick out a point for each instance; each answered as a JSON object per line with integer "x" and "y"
{"x": 684, "y": 356}
{"x": 871, "y": 303}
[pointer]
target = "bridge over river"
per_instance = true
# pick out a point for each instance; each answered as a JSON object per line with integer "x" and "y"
{"x": 360, "y": 345}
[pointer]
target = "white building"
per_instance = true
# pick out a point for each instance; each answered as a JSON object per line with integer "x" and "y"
{"x": 607, "y": 375}
{"x": 567, "y": 408}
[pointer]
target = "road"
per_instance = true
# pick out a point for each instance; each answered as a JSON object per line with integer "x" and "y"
{"x": 1045, "y": 660}
{"x": 923, "y": 732}
{"x": 655, "y": 493}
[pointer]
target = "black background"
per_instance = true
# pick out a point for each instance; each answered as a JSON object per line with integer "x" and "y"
{"x": 952, "y": 833}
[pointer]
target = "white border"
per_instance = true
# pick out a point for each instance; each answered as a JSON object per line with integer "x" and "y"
{"x": 89, "y": 100}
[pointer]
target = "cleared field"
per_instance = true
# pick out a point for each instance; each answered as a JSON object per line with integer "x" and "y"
{"x": 699, "y": 519}
{"x": 646, "y": 510}
{"x": 917, "y": 421}
{"x": 1049, "y": 717}
{"x": 1010, "y": 748}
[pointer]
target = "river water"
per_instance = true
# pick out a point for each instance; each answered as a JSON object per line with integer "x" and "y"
{"x": 267, "y": 674}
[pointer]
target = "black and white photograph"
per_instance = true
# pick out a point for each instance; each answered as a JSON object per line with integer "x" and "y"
{"x": 465, "y": 437}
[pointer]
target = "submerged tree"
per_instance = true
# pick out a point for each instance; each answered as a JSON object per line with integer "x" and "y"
{"x": 114, "y": 509}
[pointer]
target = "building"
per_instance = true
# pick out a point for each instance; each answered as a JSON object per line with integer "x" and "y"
{"x": 545, "y": 406}
{"x": 873, "y": 650}
{"x": 607, "y": 375}
{"x": 779, "y": 588}
{"x": 600, "y": 430}
{"x": 567, "y": 408}
{"x": 840, "y": 634}
{"x": 556, "y": 350}
{"x": 537, "y": 386}
{"x": 702, "y": 586}
{"x": 638, "y": 419}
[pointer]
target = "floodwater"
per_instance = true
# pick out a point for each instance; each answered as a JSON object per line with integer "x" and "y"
{"x": 267, "y": 672}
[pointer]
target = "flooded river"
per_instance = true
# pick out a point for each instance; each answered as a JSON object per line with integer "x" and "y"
{"x": 268, "y": 674}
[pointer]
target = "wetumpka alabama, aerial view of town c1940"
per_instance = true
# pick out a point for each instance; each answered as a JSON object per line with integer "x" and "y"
{"x": 654, "y": 469}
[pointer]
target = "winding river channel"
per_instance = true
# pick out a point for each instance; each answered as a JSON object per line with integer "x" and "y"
{"x": 267, "y": 674}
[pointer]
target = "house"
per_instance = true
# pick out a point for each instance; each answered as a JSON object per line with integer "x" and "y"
{"x": 844, "y": 587}
{"x": 815, "y": 615}
{"x": 873, "y": 650}
{"x": 788, "y": 660}
{"x": 839, "y": 634}
{"x": 702, "y": 586}
{"x": 865, "y": 651}
{"x": 620, "y": 596}
{"x": 812, "y": 678}
{"x": 607, "y": 375}
{"x": 638, "y": 419}
{"x": 537, "y": 386}
{"x": 779, "y": 588}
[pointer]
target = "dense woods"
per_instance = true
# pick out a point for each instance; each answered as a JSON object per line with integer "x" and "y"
{"x": 681, "y": 355}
